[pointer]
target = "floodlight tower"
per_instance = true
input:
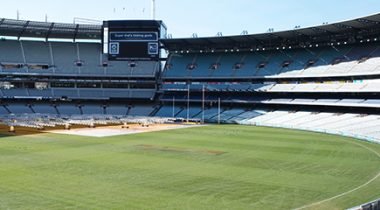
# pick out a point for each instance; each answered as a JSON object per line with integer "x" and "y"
{"x": 153, "y": 9}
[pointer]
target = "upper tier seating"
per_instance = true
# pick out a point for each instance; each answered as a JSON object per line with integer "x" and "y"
{"x": 355, "y": 59}
{"x": 67, "y": 58}
{"x": 81, "y": 93}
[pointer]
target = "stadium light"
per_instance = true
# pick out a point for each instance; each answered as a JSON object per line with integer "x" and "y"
{"x": 245, "y": 32}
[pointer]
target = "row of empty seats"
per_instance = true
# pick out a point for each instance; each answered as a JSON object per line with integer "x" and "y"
{"x": 362, "y": 59}
{"x": 303, "y": 87}
{"x": 73, "y": 109}
{"x": 79, "y": 93}
{"x": 213, "y": 114}
{"x": 355, "y": 125}
{"x": 326, "y": 87}
{"x": 67, "y": 58}
{"x": 288, "y": 100}
{"x": 370, "y": 103}
{"x": 347, "y": 124}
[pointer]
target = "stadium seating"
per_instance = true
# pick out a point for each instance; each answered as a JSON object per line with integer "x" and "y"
{"x": 327, "y": 87}
{"x": 4, "y": 110}
{"x": 347, "y": 124}
{"x": 71, "y": 77}
{"x": 88, "y": 109}
{"x": 44, "y": 109}
{"x": 65, "y": 56}
{"x": 167, "y": 111}
{"x": 19, "y": 108}
{"x": 191, "y": 112}
{"x": 36, "y": 52}
{"x": 68, "y": 109}
{"x": 329, "y": 61}
{"x": 208, "y": 114}
{"x": 76, "y": 93}
{"x": 140, "y": 110}
{"x": 10, "y": 52}
{"x": 116, "y": 109}
{"x": 90, "y": 55}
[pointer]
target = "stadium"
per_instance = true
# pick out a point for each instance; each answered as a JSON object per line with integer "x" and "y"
{"x": 119, "y": 115}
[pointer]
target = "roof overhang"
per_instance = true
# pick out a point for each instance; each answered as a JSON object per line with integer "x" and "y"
{"x": 349, "y": 31}
{"x": 46, "y": 30}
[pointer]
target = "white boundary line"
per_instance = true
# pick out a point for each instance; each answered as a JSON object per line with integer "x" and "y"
{"x": 350, "y": 191}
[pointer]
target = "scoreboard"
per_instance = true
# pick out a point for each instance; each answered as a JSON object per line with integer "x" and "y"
{"x": 132, "y": 40}
{"x": 133, "y": 45}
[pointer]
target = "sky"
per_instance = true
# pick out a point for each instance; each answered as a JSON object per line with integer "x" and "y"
{"x": 203, "y": 17}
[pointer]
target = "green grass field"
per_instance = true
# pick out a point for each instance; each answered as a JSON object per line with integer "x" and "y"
{"x": 211, "y": 167}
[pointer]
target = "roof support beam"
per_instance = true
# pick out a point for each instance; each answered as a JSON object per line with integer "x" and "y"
{"x": 23, "y": 30}
{"x": 49, "y": 31}
{"x": 76, "y": 32}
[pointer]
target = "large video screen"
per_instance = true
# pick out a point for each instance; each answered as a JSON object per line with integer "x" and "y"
{"x": 132, "y": 40}
{"x": 133, "y": 45}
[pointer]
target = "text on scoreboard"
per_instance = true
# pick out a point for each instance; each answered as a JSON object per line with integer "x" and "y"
{"x": 133, "y": 45}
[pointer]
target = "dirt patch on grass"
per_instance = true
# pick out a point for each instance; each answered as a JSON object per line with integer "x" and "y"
{"x": 98, "y": 131}
{"x": 105, "y": 131}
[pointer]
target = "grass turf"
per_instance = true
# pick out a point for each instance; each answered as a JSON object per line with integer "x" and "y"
{"x": 212, "y": 167}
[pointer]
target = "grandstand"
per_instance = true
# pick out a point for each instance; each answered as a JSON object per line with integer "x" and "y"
{"x": 60, "y": 69}
{"x": 282, "y": 79}
{"x": 323, "y": 79}
{"x": 331, "y": 70}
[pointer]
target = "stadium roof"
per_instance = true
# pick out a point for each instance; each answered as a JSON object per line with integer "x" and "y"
{"x": 33, "y": 29}
{"x": 347, "y": 31}
{"x": 351, "y": 30}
